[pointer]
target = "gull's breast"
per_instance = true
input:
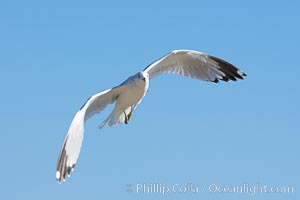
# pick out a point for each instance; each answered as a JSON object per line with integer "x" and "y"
{"x": 132, "y": 95}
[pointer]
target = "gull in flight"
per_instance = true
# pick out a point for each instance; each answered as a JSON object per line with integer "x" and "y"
{"x": 129, "y": 94}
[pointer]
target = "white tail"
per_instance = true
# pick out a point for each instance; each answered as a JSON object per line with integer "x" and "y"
{"x": 114, "y": 118}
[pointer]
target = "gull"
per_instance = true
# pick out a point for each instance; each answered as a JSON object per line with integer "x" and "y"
{"x": 129, "y": 94}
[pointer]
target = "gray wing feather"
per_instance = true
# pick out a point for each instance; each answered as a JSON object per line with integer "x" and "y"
{"x": 72, "y": 144}
{"x": 196, "y": 65}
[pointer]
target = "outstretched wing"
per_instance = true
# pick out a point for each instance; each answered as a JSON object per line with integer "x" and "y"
{"x": 71, "y": 147}
{"x": 196, "y": 65}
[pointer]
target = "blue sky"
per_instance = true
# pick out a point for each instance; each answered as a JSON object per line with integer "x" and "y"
{"x": 55, "y": 54}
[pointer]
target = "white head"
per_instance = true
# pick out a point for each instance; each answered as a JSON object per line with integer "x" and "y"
{"x": 144, "y": 76}
{"x": 141, "y": 78}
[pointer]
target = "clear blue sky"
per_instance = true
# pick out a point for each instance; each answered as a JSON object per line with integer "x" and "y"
{"x": 55, "y": 54}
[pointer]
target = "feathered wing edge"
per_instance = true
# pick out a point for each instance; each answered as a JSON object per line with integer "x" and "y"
{"x": 73, "y": 140}
{"x": 72, "y": 143}
{"x": 196, "y": 65}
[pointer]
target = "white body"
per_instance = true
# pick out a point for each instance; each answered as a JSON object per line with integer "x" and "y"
{"x": 133, "y": 91}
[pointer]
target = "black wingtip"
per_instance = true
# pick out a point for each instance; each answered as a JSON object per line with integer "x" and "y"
{"x": 216, "y": 80}
{"x": 62, "y": 169}
{"x": 231, "y": 72}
